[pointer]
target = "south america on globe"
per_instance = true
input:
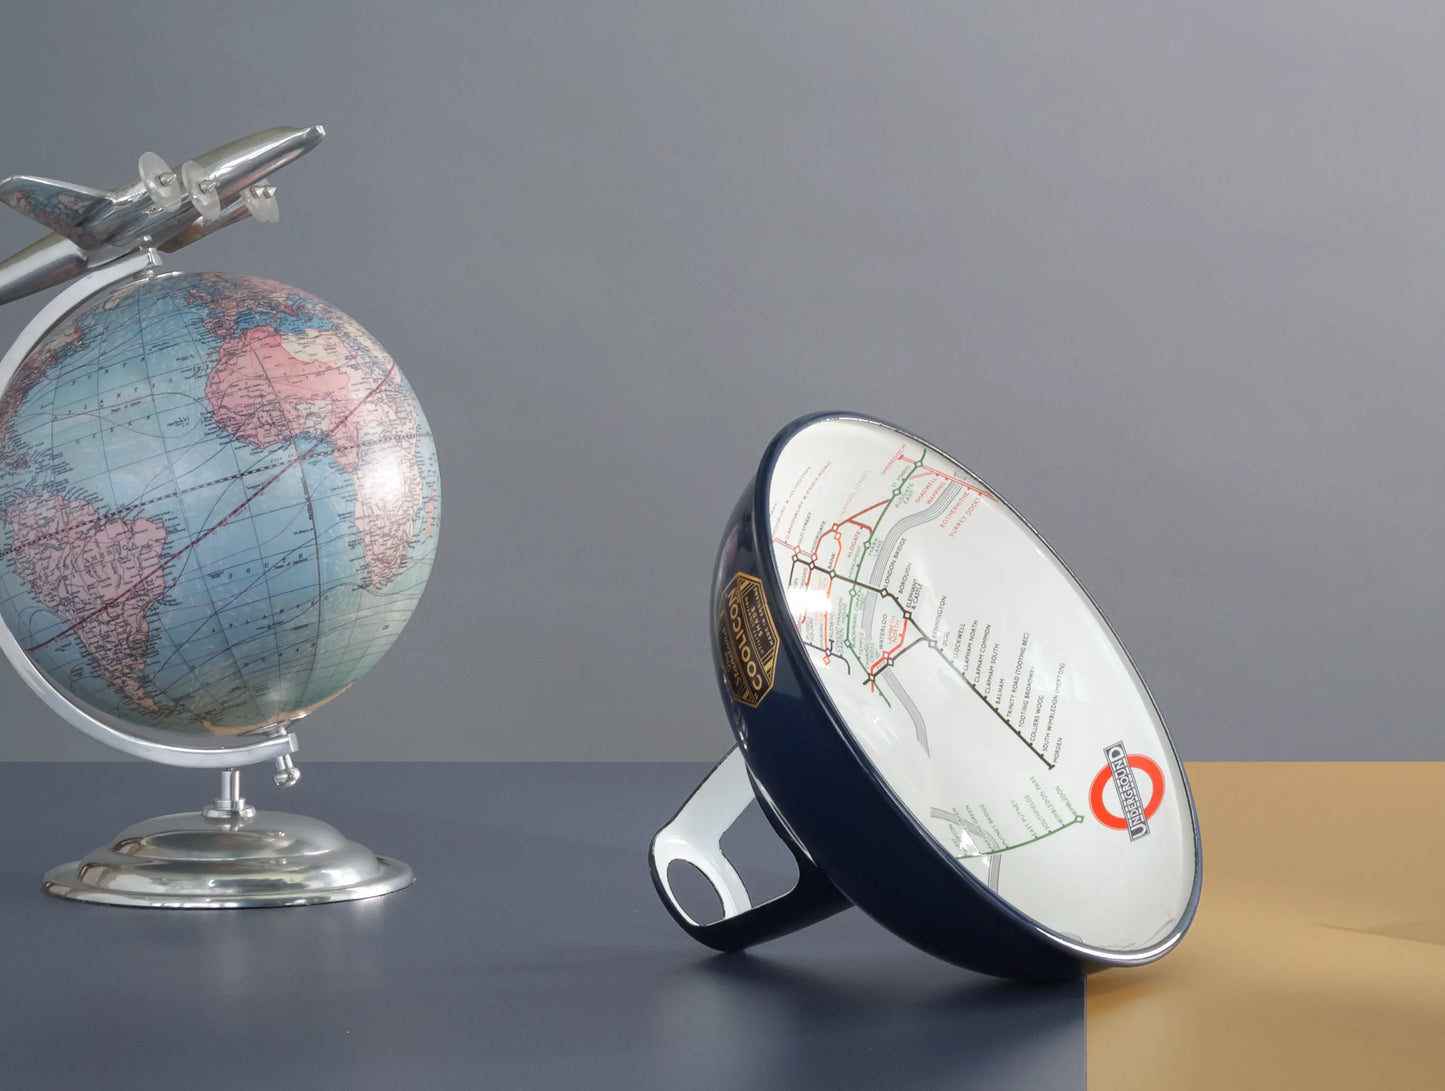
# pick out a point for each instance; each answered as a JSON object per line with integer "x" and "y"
{"x": 219, "y": 503}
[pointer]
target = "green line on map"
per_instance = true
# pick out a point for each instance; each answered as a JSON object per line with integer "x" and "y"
{"x": 858, "y": 568}
{"x": 1047, "y": 833}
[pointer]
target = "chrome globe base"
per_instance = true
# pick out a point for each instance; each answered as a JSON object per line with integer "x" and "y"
{"x": 229, "y": 856}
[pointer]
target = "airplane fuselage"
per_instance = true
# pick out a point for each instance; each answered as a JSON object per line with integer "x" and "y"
{"x": 94, "y": 227}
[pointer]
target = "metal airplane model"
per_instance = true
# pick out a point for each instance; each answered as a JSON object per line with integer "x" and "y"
{"x": 162, "y": 209}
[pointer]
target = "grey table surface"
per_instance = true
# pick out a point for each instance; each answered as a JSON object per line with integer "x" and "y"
{"x": 531, "y": 952}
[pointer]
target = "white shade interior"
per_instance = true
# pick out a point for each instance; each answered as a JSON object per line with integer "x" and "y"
{"x": 982, "y": 684}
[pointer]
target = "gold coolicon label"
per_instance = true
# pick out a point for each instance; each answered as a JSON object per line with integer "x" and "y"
{"x": 747, "y": 640}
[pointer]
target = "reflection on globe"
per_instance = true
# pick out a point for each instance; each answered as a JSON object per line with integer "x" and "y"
{"x": 219, "y": 503}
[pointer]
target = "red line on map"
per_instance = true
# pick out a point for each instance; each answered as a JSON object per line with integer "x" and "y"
{"x": 966, "y": 484}
{"x": 866, "y": 510}
{"x": 799, "y": 550}
{"x": 833, "y": 530}
{"x": 891, "y": 650}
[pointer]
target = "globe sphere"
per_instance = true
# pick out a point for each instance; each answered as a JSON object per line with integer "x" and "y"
{"x": 219, "y": 503}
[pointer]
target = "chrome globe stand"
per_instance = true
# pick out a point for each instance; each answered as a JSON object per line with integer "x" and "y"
{"x": 228, "y": 855}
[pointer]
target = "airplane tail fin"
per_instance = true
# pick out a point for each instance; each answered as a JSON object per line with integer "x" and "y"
{"x": 59, "y": 206}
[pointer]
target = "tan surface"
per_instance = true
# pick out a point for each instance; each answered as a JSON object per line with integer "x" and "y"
{"x": 1317, "y": 958}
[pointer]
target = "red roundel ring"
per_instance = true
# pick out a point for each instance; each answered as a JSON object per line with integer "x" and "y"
{"x": 1156, "y": 795}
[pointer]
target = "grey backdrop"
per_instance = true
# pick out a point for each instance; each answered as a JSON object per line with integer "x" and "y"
{"x": 1169, "y": 277}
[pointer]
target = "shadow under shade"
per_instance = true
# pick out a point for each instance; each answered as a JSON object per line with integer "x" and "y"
{"x": 860, "y": 1023}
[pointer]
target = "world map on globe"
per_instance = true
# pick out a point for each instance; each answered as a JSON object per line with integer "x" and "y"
{"x": 219, "y": 503}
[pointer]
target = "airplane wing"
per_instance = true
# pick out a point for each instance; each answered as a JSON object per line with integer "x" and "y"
{"x": 59, "y": 206}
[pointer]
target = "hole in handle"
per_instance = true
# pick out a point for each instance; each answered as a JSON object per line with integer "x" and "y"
{"x": 694, "y": 893}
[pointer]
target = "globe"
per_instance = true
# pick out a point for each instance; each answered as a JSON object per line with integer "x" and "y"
{"x": 219, "y": 503}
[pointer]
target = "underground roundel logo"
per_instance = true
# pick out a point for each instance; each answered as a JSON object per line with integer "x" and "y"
{"x": 747, "y": 640}
{"x": 1137, "y": 810}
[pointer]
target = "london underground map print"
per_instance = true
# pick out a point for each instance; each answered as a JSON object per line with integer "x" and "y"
{"x": 980, "y": 680}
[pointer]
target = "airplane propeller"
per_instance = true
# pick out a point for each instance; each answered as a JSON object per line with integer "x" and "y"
{"x": 161, "y": 182}
{"x": 202, "y": 191}
{"x": 261, "y": 201}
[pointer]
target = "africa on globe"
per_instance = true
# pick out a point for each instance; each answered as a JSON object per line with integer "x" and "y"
{"x": 219, "y": 503}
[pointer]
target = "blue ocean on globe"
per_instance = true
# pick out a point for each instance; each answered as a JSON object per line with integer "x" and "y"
{"x": 219, "y": 503}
